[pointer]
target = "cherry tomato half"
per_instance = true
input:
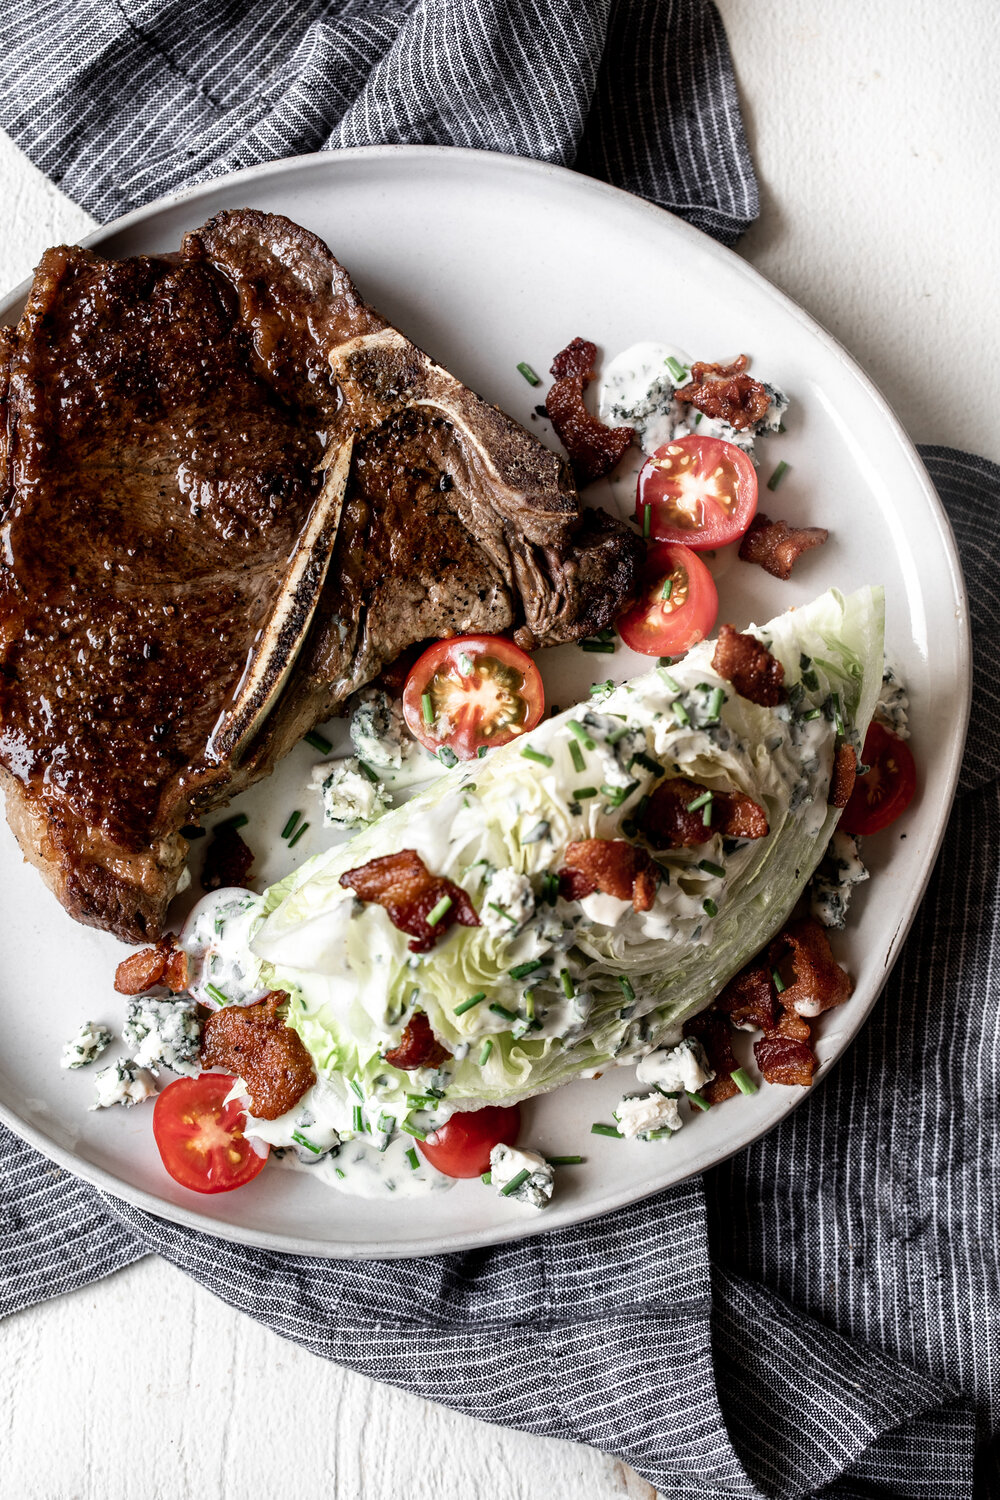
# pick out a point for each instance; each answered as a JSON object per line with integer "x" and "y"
{"x": 200, "y": 1137}
{"x": 462, "y": 1146}
{"x": 701, "y": 492}
{"x": 677, "y": 603}
{"x": 886, "y": 789}
{"x": 472, "y": 691}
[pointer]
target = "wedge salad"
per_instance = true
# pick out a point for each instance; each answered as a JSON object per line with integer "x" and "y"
{"x": 622, "y": 883}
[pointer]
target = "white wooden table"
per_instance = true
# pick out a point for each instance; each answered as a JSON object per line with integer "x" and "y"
{"x": 873, "y": 129}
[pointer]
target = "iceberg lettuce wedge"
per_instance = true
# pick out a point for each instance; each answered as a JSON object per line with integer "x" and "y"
{"x": 571, "y": 986}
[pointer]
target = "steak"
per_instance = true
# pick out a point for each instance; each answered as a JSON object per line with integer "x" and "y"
{"x": 230, "y": 495}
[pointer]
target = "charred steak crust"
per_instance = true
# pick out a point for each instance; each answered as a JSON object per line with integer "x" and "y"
{"x": 232, "y": 495}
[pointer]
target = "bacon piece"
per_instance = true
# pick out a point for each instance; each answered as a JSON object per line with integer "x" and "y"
{"x": 726, "y": 393}
{"x": 750, "y": 999}
{"x": 418, "y": 1046}
{"x": 745, "y": 662}
{"x": 776, "y": 546}
{"x": 667, "y": 823}
{"x": 593, "y": 448}
{"x": 845, "y": 771}
{"x": 403, "y": 885}
{"x": 612, "y": 866}
{"x": 713, "y": 1031}
{"x": 228, "y": 860}
{"x": 165, "y": 964}
{"x": 253, "y": 1043}
{"x": 782, "y": 1059}
{"x": 813, "y": 979}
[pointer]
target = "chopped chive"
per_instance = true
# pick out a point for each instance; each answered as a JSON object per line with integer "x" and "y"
{"x": 675, "y": 367}
{"x": 578, "y": 732}
{"x": 582, "y": 793}
{"x": 810, "y": 680}
{"x": 447, "y": 756}
{"x": 487, "y": 1178}
{"x": 616, "y": 795}
{"x": 627, "y": 989}
{"x": 709, "y": 907}
{"x": 564, "y": 1161}
{"x": 601, "y": 687}
{"x": 238, "y": 820}
{"x": 568, "y": 987}
{"x": 481, "y": 751}
{"x": 779, "y": 983}
{"x": 605, "y": 647}
{"x": 668, "y": 587}
{"x": 530, "y": 753}
{"x": 715, "y": 703}
{"x": 576, "y": 755}
{"x": 412, "y": 1158}
{"x": 475, "y": 999}
{"x": 515, "y": 1182}
{"x": 355, "y": 1085}
{"x": 702, "y": 800}
{"x": 598, "y": 1129}
{"x": 743, "y": 1081}
{"x": 318, "y": 742}
{"x": 521, "y": 971}
{"x": 550, "y": 887}
{"x": 339, "y": 1173}
{"x": 529, "y": 1004}
{"x": 777, "y": 476}
{"x": 501, "y": 1010}
{"x": 536, "y": 834}
{"x": 660, "y": 1135}
{"x": 647, "y": 516}
{"x": 484, "y": 1055}
{"x": 219, "y": 996}
{"x": 427, "y": 708}
{"x": 814, "y": 713}
{"x": 525, "y": 369}
{"x": 296, "y": 836}
{"x": 422, "y": 1101}
{"x": 358, "y": 1119}
{"x": 647, "y": 763}
{"x": 289, "y": 827}
{"x": 699, "y": 1102}
{"x": 681, "y": 715}
{"x": 367, "y": 772}
{"x": 409, "y": 1128}
{"x": 465, "y": 664}
{"x": 671, "y": 682}
{"x": 710, "y": 869}
{"x": 386, "y": 1125}
{"x": 494, "y": 907}
{"x": 440, "y": 910}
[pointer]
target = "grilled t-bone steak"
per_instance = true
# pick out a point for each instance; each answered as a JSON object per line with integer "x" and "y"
{"x": 231, "y": 494}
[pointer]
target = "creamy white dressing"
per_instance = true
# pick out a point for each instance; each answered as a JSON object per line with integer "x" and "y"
{"x": 216, "y": 938}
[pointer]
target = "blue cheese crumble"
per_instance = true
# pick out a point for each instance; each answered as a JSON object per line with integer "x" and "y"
{"x": 378, "y": 731}
{"x": 839, "y": 871}
{"x": 84, "y": 1048}
{"x": 649, "y": 1112}
{"x": 123, "y": 1083}
{"x": 507, "y": 1164}
{"x": 350, "y": 798}
{"x": 680, "y": 1069}
{"x": 163, "y": 1034}
{"x": 893, "y": 706}
{"x": 508, "y": 903}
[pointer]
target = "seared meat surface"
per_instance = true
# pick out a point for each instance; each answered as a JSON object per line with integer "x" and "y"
{"x": 230, "y": 495}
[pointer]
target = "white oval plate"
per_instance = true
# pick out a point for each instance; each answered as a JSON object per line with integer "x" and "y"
{"x": 487, "y": 260}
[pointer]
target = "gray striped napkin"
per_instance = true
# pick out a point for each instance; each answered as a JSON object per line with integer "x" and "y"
{"x": 820, "y": 1315}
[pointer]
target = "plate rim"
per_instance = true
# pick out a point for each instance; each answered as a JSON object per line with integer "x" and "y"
{"x": 529, "y": 167}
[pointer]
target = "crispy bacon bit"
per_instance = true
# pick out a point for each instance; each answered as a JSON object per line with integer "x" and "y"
{"x": 790, "y": 1023}
{"x": 745, "y": 662}
{"x": 418, "y": 1046}
{"x": 593, "y": 448}
{"x": 403, "y": 885}
{"x": 165, "y": 964}
{"x": 253, "y": 1043}
{"x": 750, "y": 999}
{"x": 845, "y": 770}
{"x": 228, "y": 861}
{"x": 667, "y": 823}
{"x": 726, "y": 393}
{"x": 612, "y": 866}
{"x": 813, "y": 979}
{"x": 712, "y": 1030}
{"x": 776, "y": 546}
{"x": 782, "y": 1059}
